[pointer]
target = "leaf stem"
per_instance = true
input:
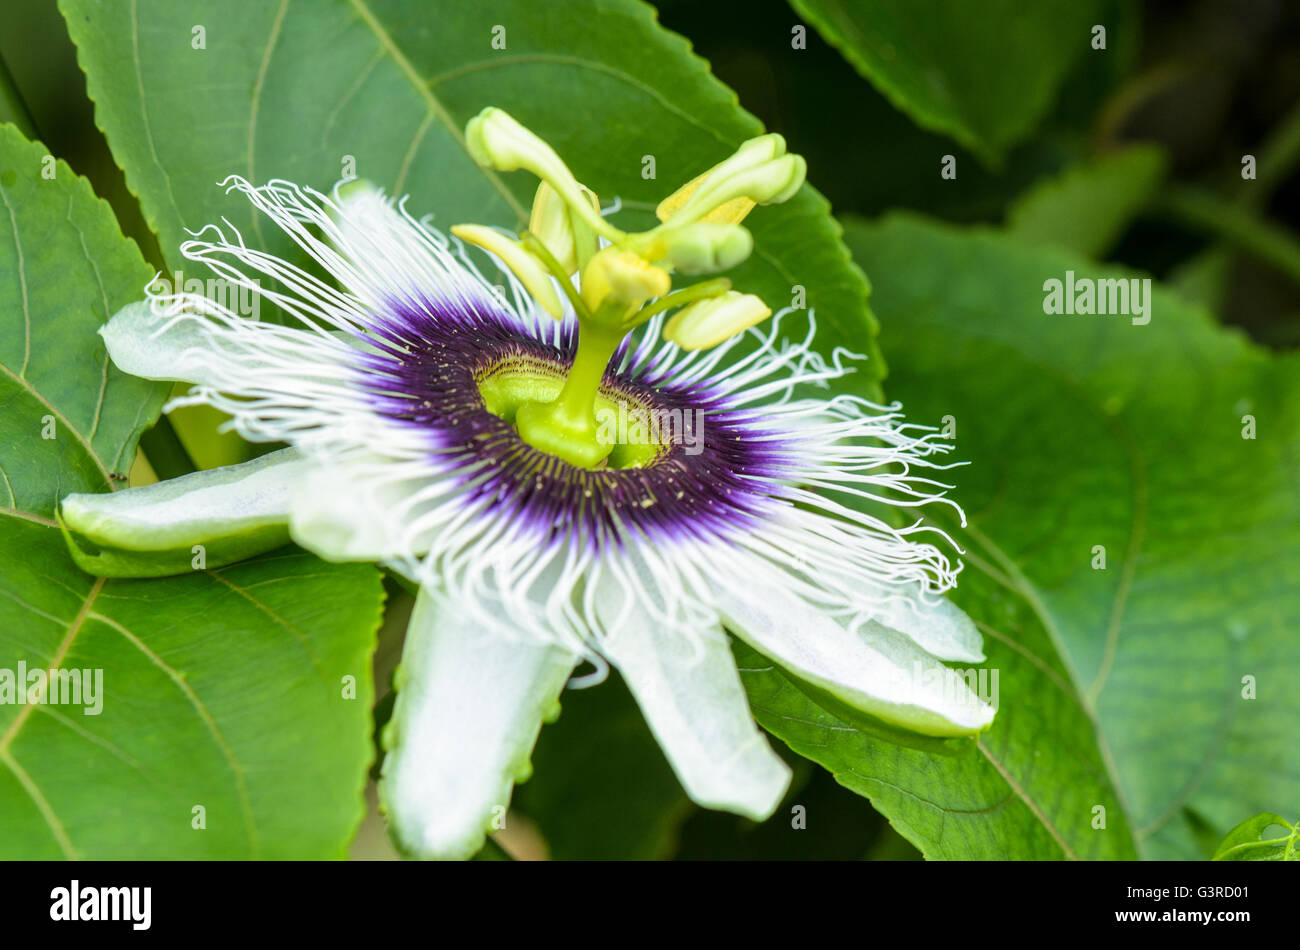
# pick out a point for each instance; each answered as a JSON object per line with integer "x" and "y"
{"x": 1238, "y": 221}
{"x": 534, "y": 244}
{"x": 1236, "y": 224}
{"x": 12, "y": 106}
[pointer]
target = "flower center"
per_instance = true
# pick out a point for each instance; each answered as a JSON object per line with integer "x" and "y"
{"x": 566, "y": 424}
{"x": 625, "y": 282}
{"x": 522, "y": 385}
{"x": 680, "y": 460}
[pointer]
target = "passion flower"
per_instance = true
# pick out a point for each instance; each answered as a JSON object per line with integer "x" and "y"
{"x": 456, "y": 434}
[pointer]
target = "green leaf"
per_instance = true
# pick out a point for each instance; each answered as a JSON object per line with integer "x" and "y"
{"x": 1246, "y": 842}
{"x": 217, "y": 696}
{"x": 983, "y": 73}
{"x": 819, "y": 820}
{"x": 1087, "y": 208}
{"x": 960, "y": 807}
{"x": 70, "y": 419}
{"x": 1160, "y": 687}
{"x": 382, "y": 90}
{"x": 221, "y": 690}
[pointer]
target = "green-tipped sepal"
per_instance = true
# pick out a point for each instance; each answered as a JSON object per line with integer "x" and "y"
{"x": 195, "y": 522}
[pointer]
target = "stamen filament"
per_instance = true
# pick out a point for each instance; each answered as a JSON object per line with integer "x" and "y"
{"x": 535, "y": 245}
{"x": 679, "y": 298}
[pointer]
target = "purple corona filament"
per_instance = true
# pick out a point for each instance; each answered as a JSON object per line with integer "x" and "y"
{"x": 427, "y": 373}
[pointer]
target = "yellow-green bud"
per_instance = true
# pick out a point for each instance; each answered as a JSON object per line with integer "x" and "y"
{"x": 623, "y": 277}
{"x": 770, "y": 183}
{"x": 496, "y": 140}
{"x": 759, "y": 172}
{"x": 706, "y": 248}
{"x": 752, "y": 153}
{"x": 569, "y": 239}
{"x": 706, "y": 323}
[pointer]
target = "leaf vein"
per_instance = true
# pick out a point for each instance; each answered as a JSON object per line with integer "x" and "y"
{"x": 386, "y": 42}
{"x": 22, "y": 284}
{"x": 258, "y": 85}
{"x": 56, "y": 661}
{"x": 241, "y": 786}
{"x": 1025, "y": 797}
{"x": 42, "y": 805}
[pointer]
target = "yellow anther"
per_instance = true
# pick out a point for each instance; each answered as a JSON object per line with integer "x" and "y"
{"x": 759, "y": 172}
{"x": 622, "y": 277}
{"x": 706, "y": 323}
{"x": 705, "y": 247}
{"x": 569, "y": 239}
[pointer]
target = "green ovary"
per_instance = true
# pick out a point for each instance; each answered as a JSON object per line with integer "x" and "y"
{"x": 508, "y": 389}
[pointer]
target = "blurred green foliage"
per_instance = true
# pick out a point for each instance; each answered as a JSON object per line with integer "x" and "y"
{"x": 1205, "y": 81}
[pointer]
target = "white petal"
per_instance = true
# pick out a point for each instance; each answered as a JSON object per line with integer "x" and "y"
{"x": 876, "y": 670}
{"x": 346, "y": 511}
{"x": 471, "y": 700}
{"x": 690, "y": 693}
{"x": 937, "y": 626}
{"x": 218, "y": 501}
{"x": 158, "y": 340}
{"x": 139, "y": 344}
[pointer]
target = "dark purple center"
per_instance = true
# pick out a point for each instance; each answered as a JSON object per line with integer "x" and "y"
{"x": 711, "y": 474}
